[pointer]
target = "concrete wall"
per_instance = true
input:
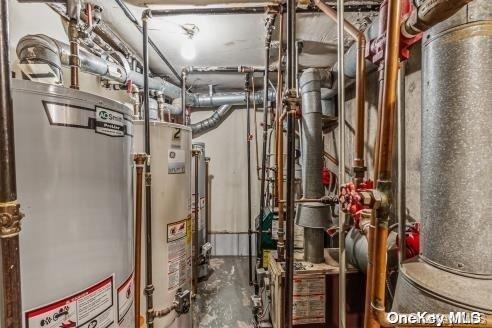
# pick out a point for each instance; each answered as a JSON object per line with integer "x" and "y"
{"x": 36, "y": 18}
{"x": 412, "y": 119}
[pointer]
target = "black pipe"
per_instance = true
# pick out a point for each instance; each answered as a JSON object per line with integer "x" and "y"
{"x": 248, "y": 154}
{"x": 258, "y": 9}
{"x": 210, "y": 11}
{"x": 292, "y": 92}
{"x": 268, "y": 39}
{"x": 149, "y": 288}
{"x": 10, "y": 283}
{"x": 134, "y": 20}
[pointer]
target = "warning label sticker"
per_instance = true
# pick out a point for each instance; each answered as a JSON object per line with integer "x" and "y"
{"x": 90, "y": 308}
{"x": 178, "y": 261}
{"x": 109, "y": 122}
{"x": 125, "y": 295}
{"x": 176, "y": 161}
{"x": 308, "y": 299}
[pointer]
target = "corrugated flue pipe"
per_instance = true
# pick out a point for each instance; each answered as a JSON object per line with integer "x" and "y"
{"x": 212, "y": 122}
{"x": 314, "y": 217}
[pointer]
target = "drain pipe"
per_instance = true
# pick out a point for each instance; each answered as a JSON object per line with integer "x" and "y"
{"x": 10, "y": 215}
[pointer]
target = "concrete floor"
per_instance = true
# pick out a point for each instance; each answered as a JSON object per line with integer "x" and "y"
{"x": 223, "y": 301}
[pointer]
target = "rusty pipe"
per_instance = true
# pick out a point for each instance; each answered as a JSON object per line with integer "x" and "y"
{"x": 280, "y": 148}
{"x": 139, "y": 160}
{"x": 358, "y": 164}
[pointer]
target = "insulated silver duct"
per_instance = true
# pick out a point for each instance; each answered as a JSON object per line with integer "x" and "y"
{"x": 454, "y": 272}
{"x": 212, "y": 122}
{"x": 35, "y": 49}
{"x": 42, "y": 49}
{"x": 313, "y": 216}
{"x": 228, "y": 98}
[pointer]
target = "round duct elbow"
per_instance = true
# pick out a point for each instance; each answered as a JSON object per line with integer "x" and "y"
{"x": 37, "y": 49}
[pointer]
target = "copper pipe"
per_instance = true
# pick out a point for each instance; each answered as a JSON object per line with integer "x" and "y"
{"x": 280, "y": 147}
{"x": 74, "y": 54}
{"x": 139, "y": 160}
{"x": 330, "y": 157}
{"x": 359, "y": 166}
{"x": 194, "y": 271}
{"x": 391, "y": 65}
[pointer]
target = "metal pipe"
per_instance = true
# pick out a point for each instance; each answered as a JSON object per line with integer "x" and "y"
{"x": 358, "y": 165}
{"x": 139, "y": 160}
{"x": 134, "y": 20}
{"x": 227, "y": 98}
{"x": 291, "y": 103}
{"x": 183, "y": 97}
{"x": 225, "y": 69}
{"x": 280, "y": 146}
{"x": 248, "y": 156}
{"x": 268, "y": 39}
{"x": 401, "y": 188}
{"x": 196, "y": 154}
{"x": 341, "y": 167}
{"x": 149, "y": 288}
{"x": 385, "y": 151}
{"x": 210, "y": 11}
{"x": 10, "y": 216}
{"x": 207, "y": 200}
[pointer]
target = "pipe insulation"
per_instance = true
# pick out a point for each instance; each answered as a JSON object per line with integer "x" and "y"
{"x": 313, "y": 216}
{"x": 42, "y": 49}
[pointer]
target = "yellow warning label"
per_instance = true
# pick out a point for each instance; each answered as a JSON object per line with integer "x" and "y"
{"x": 189, "y": 231}
{"x": 266, "y": 256}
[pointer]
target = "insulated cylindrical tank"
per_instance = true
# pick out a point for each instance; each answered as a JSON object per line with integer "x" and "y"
{"x": 170, "y": 146}
{"x": 202, "y": 234}
{"x": 73, "y": 152}
{"x": 454, "y": 271}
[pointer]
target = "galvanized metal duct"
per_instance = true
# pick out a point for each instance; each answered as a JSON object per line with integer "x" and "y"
{"x": 42, "y": 49}
{"x": 228, "y": 98}
{"x": 212, "y": 122}
{"x": 454, "y": 272}
{"x": 313, "y": 216}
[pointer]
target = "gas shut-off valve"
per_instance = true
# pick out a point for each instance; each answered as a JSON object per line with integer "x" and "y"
{"x": 182, "y": 301}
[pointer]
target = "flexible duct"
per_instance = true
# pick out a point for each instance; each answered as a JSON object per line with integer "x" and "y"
{"x": 212, "y": 122}
{"x": 313, "y": 216}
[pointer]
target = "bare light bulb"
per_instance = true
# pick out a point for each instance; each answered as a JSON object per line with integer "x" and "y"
{"x": 188, "y": 50}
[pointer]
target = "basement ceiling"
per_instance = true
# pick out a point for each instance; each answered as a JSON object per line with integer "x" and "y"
{"x": 223, "y": 40}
